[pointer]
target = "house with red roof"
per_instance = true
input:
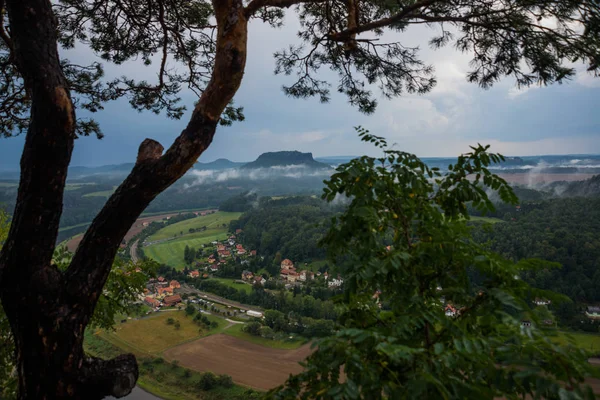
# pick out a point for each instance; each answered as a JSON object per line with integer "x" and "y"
{"x": 194, "y": 274}
{"x": 287, "y": 264}
{"x": 164, "y": 291}
{"x": 450, "y": 311}
{"x": 172, "y": 300}
{"x": 174, "y": 285}
{"x": 152, "y": 302}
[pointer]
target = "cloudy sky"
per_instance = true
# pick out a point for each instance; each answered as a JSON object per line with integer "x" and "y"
{"x": 561, "y": 119}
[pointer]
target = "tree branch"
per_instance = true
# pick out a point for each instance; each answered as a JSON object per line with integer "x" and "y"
{"x": 154, "y": 172}
{"x": 347, "y": 34}
{"x": 255, "y": 5}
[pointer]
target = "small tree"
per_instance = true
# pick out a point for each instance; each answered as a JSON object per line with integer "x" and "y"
{"x": 170, "y": 321}
{"x": 207, "y": 381}
{"x": 190, "y": 309}
{"x": 404, "y": 243}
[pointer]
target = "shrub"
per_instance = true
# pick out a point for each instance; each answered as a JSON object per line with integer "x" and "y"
{"x": 177, "y": 325}
{"x": 170, "y": 321}
{"x": 225, "y": 381}
{"x": 159, "y": 360}
{"x": 253, "y": 328}
{"x": 207, "y": 381}
{"x": 214, "y": 325}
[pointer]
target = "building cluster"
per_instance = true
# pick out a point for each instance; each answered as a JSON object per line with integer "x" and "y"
{"x": 226, "y": 249}
{"x": 161, "y": 293}
{"x": 248, "y": 276}
{"x": 290, "y": 274}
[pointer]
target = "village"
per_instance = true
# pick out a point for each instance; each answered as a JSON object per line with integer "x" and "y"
{"x": 162, "y": 293}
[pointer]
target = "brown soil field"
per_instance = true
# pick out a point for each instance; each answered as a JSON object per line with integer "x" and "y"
{"x": 527, "y": 178}
{"x": 136, "y": 228}
{"x": 248, "y": 364}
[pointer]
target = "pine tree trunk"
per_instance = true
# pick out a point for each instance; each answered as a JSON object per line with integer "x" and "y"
{"x": 48, "y": 309}
{"x": 50, "y": 358}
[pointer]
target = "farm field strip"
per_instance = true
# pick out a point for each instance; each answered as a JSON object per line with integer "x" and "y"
{"x": 209, "y": 221}
{"x": 231, "y": 283}
{"x": 249, "y": 364}
{"x": 236, "y": 331}
{"x": 152, "y": 334}
{"x": 170, "y": 252}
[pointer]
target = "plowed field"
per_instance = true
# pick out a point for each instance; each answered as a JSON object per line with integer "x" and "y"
{"x": 248, "y": 364}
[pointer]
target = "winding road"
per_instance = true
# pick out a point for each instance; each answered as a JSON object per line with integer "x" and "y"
{"x": 133, "y": 251}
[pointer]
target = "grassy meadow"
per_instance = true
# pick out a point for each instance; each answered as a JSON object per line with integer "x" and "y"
{"x": 231, "y": 283}
{"x": 103, "y": 193}
{"x": 490, "y": 220}
{"x": 236, "y": 331}
{"x": 171, "y": 251}
{"x": 152, "y": 335}
{"x": 585, "y": 341}
{"x": 213, "y": 222}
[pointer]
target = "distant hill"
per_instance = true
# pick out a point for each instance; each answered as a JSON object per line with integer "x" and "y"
{"x": 588, "y": 188}
{"x": 285, "y": 158}
{"x": 336, "y": 160}
{"x": 221, "y": 163}
{"x": 114, "y": 169}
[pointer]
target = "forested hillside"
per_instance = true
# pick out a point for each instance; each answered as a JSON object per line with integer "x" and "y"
{"x": 566, "y": 231}
{"x": 291, "y": 226}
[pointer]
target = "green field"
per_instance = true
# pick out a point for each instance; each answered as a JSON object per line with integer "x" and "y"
{"x": 585, "y": 341}
{"x": 171, "y": 252}
{"x": 231, "y": 283}
{"x": 236, "y": 331}
{"x": 104, "y": 193}
{"x": 490, "y": 220}
{"x": 152, "y": 335}
{"x": 213, "y": 222}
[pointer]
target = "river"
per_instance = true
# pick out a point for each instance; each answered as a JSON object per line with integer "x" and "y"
{"x": 138, "y": 394}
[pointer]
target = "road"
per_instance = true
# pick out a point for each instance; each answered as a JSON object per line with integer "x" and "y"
{"x": 133, "y": 251}
{"x": 217, "y": 299}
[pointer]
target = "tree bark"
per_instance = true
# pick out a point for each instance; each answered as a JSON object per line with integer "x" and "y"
{"x": 48, "y": 310}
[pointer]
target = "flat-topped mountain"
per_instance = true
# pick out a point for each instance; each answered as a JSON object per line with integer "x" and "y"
{"x": 285, "y": 158}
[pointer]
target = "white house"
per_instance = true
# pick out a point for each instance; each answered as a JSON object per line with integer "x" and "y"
{"x": 335, "y": 282}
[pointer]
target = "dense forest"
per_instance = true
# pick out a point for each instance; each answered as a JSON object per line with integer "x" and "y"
{"x": 566, "y": 231}
{"x": 290, "y": 226}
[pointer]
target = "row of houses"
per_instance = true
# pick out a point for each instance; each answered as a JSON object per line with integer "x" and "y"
{"x": 289, "y": 274}
{"x": 167, "y": 301}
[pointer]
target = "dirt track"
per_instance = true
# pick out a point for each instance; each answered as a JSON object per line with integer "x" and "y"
{"x": 248, "y": 364}
{"x": 136, "y": 228}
